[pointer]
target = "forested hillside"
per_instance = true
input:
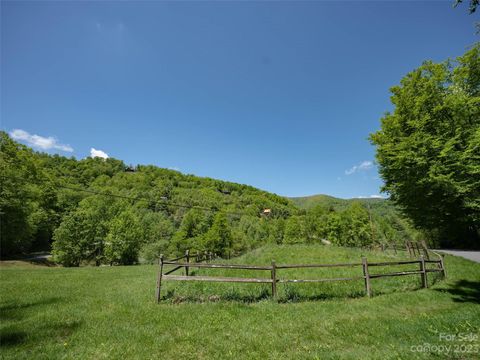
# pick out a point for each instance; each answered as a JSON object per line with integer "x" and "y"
{"x": 387, "y": 224}
{"x": 98, "y": 211}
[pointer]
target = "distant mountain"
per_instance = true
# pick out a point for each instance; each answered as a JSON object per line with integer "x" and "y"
{"x": 308, "y": 202}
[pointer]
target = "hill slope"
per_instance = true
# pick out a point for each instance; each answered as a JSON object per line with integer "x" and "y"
{"x": 95, "y": 208}
{"x": 99, "y": 211}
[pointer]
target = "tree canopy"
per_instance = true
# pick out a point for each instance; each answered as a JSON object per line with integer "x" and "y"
{"x": 428, "y": 148}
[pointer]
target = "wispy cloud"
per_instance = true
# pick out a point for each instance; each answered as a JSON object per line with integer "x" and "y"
{"x": 98, "y": 153}
{"x": 363, "y": 166}
{"x": 39, "y": 142}
{"x": 375, "y": 196}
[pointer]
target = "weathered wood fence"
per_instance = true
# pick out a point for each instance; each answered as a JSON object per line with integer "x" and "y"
{"x": 273, "y": 279}
{"x": 413, "y": 248}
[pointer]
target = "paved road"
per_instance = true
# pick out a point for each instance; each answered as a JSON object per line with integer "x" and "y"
{"x": 470, "y": 255}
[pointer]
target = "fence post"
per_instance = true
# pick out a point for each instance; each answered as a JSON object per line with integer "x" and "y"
{"x": 366, "y": 275}
{"x": 274, "y": 279}
{"x": 187, "y": 257}
{"x": 423, "y": 274}
{"x": 418, "y": 249}
{"x": 159, "y": 278}
{"x": 443, "y": 267}
{"x": 395, "y": 248}
{"x": 408, "y": 248}
{"x": 425, "y": 249}
{"x": 412, "y": 248}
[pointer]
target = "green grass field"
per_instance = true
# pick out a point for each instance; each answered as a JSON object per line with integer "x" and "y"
{"x": 110, "y": 312}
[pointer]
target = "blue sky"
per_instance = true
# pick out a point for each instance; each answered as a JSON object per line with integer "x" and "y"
{"x": 278, "y": 95}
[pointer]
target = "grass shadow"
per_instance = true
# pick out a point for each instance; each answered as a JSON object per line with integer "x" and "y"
{"x": 17, "y": 333}
{"x": 231, "y": 295}
{"x": 464, "y": 291}
{"x": 291, "y": 295}
{"x": 13, "y": 311}
{"x": 13, "y": 336}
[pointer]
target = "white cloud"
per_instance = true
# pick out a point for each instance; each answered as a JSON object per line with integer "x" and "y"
{"x": 39, "y": 142}
{"x": 98, "y": 153}
{"x": 375, "y": 196}
{"x": 363, "y": 166}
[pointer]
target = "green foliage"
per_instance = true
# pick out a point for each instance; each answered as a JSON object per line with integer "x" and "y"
{"x": 218, "y": 238}
{"x": 127, "y": 216}
{"x": 356, "y": 226}
{"x": 125, "y": 234}
{"x": 334, "y": 228}
{"x": 355, "y": 222}
{"x": 41, "y": 200}
{"x": 158, "y": 230}
{"x": 428, "y": 149}
{"x": 389, "y": 226}
{"x": 294, "y": 230}
{"x": 79, "y": 237}
{"x": 20, "y": 211}
{"x": 316, "y": 220}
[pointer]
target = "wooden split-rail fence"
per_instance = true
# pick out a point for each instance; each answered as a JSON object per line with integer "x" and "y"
{"x": 413, "y": 248}
{"x": 203, "y": 261}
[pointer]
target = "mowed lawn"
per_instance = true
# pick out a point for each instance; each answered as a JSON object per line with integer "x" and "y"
{"x": 110, "y": 312}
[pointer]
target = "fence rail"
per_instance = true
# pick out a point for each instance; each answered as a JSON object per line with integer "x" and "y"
{"x": 273, "y": 268}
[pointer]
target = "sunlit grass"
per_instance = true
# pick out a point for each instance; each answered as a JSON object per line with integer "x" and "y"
{"x": 110, "y": 312}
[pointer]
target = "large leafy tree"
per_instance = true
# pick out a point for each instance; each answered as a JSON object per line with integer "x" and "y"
{"x": 428, "y": 148}
{"x": 124, "y": 238}
{"x": 82, "y": 233}
{"x": 78, "y": 238}
{"x": 356, "y": 226}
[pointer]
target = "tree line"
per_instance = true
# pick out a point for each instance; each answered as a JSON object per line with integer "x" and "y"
{"x": 100, "y": 211}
